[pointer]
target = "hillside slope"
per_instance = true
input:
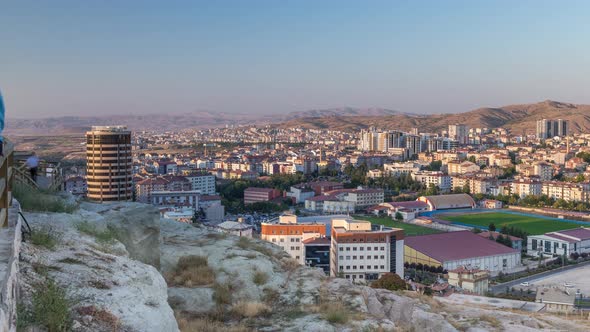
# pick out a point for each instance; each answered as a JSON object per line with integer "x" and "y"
{"x": 517, "y": 118}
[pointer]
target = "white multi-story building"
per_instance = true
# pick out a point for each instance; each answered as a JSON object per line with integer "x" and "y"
{"x": 289, "y": 235}
{"x": 560, "y": 243}
{"x": 571, "y": 192}
{"x": 438, "y": 179}
{"x": 361, "y": 254}
{"x": 365, "y": 197}
{"x": 176, "y": 198}
{"x": 205, "y": 183}
{"x": 525, "y": 187}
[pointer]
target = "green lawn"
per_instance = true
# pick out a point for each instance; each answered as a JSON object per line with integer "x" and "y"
{"x": 529, "y": 224}
{"x": 409, "y": 229}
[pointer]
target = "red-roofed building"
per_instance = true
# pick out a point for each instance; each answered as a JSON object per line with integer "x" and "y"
{"x": 254, "y": 194}
{"x": 454, "y": 249}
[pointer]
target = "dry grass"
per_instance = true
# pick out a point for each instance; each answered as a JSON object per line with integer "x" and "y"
{"x": 289, "y": 264}
{"x": 196, "y": 324}
{"x": 259, "y": 278}
{"x": 101, "y": 315}
{"x": 493, "y": 321}
{"x": 248, "y": 309}
{"x": 222, "y": 293}
{"x": 334, "y": 312}
{"x": 191, "y": 271}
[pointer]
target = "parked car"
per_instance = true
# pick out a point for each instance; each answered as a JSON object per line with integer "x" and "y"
{"x": 569, "y": 285}
{"x": 525, "y": 284}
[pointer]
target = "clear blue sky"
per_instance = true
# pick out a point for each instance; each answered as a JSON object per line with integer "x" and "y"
{"x": 111, "y": 57}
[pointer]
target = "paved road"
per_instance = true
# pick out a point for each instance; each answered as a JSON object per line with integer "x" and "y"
{"x": 501, "y": 288}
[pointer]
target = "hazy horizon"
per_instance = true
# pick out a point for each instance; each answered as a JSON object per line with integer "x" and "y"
{"x": 72, "y": 58}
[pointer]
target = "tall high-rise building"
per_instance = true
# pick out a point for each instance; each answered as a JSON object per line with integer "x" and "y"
{"x": 459, "y": 133}
{"x": 547, "y": 128}
{"x": 109, "y": 163}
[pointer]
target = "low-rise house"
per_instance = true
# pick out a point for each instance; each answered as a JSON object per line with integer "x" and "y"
{"x": 236, "y": 228}
{"x": 472, "y": 280}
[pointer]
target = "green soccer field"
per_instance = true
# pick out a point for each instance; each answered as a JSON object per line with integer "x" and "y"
{"x": 530, "y": 224}
{"x": 409, "y": 229}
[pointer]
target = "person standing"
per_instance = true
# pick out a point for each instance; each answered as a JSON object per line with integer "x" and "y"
{"x": 1, "y": 125}
{"x": 33, "y": 163}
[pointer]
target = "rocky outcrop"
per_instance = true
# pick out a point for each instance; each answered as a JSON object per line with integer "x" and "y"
{"x": 137, "y": 226}
{"x": 107, "y": 289}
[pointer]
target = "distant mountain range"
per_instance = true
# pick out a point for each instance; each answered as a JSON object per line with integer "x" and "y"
{"x": 518, "y": 118}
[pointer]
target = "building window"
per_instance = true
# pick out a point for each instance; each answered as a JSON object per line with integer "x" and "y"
{"x": 382, "y": 257}
{"x": 376, "y": 257}
{"x": 361, "y": 267}
{"x": 282, "y": 240}
{"x": 382, "y": 248}
{"x": 368, "y": 248}
{"x": 292, "y": 248}
{"x": 353, "y": 257}
{"x": 361, "y": 257}
{"x": 376, "y": 248}
{"x": 361, "y": 248}
{"x": 354, "y": 267}
{"x": 341, "y": 268}
{"x": 347, "y": 248}
{"x": 382, "y": 267}
{"x": 340, "y": 257}
{"x": 369, "y": 257}
{"x": 353, "y": 248}
{"x": 376, "y": 267}
{"x": 361, "y": 276}
{"x": 347, "y": 276}
{"x": 348, "y": 267}
{"x": 504, "y": 262}
{"x": 347, "y": 257}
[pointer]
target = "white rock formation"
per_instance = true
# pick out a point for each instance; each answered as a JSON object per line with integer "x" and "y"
{"x": 97, "y": 275}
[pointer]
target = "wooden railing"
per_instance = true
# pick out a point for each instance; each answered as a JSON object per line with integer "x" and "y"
{"x": 49, "y": 175}
{"x": 6, "y": 176}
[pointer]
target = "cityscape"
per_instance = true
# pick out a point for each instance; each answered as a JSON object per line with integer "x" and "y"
{"x": 267, "y": 208}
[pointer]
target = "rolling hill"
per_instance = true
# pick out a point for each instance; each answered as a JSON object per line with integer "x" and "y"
{"x": 517, "y": 118}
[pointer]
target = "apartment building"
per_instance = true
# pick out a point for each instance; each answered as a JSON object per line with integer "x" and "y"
{"x": 571, "y": 192}
{"x": 361, "y": 254}
{"x": 363, "y": 198}
{"x": 438, "y": 179}
{"x": 254, "y": 194}
{"x": 543, "y": 170}
{"x": 175, "y": 198}
{"x": 290, "y": 235}
{"x": 525, "y": 187}
{"x": 205, "y": 183}
{"x": 461, "y": 167}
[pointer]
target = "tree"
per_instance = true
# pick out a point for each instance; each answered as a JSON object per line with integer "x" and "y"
{"x": 399, "y": 216}
{"x": 492, "y": 227}
{"x": 390, "y": 281}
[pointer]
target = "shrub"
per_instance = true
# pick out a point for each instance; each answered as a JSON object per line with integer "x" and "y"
{"x": 191, "y": 271}
{"x": 36, "y": 200}
{"x": 44, "y": 237}
{"x": 222, "y": 293}
{"x": 334, "y": 312}
{"x": 51, "y": 308}
{"x": 493, "y": 321}
{"x": 390, "y": 281}
{"x": 260, "y": 278}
